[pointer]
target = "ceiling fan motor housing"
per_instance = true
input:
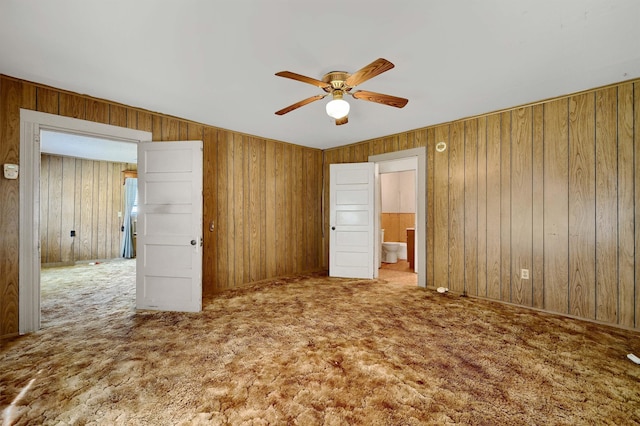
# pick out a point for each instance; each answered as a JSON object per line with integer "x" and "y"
{"x": 336, "y": 79}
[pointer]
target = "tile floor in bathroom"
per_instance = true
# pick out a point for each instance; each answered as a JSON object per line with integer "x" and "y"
{"x": 398, "y": 272}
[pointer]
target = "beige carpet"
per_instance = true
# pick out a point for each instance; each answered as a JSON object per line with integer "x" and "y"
{"x": 309, "y": 350}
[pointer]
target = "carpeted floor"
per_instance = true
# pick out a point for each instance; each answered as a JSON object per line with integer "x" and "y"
{"x": 309, "y": 350}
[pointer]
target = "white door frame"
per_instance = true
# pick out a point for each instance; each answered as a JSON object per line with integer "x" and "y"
{"x": 421, "y": 205}
{"x": 31, "y": 122}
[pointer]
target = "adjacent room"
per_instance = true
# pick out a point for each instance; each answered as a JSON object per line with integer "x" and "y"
{"x": 408, "y": 212}
{"x": 88, "y": 201}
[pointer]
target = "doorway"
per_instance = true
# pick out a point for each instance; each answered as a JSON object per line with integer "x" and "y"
{"x": 400, "y": 161}
{"x": 84, "y": 215}
{"x": 397, "y": 222}
{"x": 31, "y": 124}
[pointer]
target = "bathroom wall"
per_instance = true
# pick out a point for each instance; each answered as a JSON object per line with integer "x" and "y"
{"x": 398, "y": 192}
{"x": 398, "y": 204}
{"x": 395, "y": 226}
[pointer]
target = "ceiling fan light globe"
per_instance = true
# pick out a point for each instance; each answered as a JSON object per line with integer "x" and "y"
{"x": 337, "y": 108}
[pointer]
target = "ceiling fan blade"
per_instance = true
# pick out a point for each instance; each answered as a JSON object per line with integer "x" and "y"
{"x": 304, "y": 79}
{"x": 393, "y": 101}
{"x": 376, "y": 67}
{"x": 343, "y": 120}
{"x": 299, "y": 104}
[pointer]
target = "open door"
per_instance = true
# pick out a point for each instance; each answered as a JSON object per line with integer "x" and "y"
{"x": 169, "y": 231}
{"x": 352, "y": 207}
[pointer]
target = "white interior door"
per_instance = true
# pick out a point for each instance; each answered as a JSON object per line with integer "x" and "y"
{"x": 169, "y": 230}
{"x": 352, "y": 208}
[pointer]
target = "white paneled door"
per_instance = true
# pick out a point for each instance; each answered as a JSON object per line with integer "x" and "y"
{"x": 352, "y": 208}
{"x": 169, "y": 229}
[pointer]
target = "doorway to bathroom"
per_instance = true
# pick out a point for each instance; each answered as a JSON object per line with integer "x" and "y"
{"x": 401, "y": 203}
{"x": 398, "y": 221}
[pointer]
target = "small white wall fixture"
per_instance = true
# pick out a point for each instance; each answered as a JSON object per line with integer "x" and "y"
{"x": 31, "y": 122}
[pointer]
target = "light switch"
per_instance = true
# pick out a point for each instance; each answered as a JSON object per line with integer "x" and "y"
{"x": 11, "y": 171}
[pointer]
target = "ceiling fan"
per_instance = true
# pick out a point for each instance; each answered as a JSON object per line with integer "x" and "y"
{"x": 339, "y": 83}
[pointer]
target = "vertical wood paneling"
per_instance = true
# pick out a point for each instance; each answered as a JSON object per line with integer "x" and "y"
{"x": 101, "y": 242}
{"x": 430, "y": 212}
{"x": 636, "y": 167}
{"x": 47, "y": 100}
{"x": 196, "y": 132}
{"x": 582, "y": 236}
{"x": 77, "y": 209}
{"x": 505, "y": 207}
{"x": 247, "y": 185}
{"x": 117, "y": 206}
{"x": 309, "y": 210}
{"x": 224, "y": 224}
{"x": 70, "y": 201}
{"x": 156, "y": 127}
{"x": 537, "y": 268}
{"x": 86, "y": 212}
{"x": 271, "y": 212}
{"x": 262, "y": 157}
{"x": 68, "y": 209}
{"x": 132, "y": 118}
{"x": 493, "y": 206}
{"x": 145, "y": 121}
{"x": 441, "y": 209}
{"x": 170, "y": 129}
{"x": 72, "y": 106}
{"x": 44, "y": 217}
{"x": 238, "y": 209}
{"x": 298, "y": 211}
{"x": 521, "y": 205}
{"x": 54, "y": 224}
{"x": 210, "y": 210}
{"x": 110, "y": 225}
{"x": 117, "y": 115}
{"x": 471, "y": 207}
{"x": 556, "y": 212}
{"x": 625, "y": 205}
{"x": 482, "y": 207}
{"x": 95, "y": 214}
{"x": 257, "y": 188}
{"x": 288, "y": 227}
{"x": 456, "y": 207}
{"x": 184, "y": 132}
{"x": 280, "y": 214}
{"x": 97, "y": 111}
{"x": 606, "y": 206}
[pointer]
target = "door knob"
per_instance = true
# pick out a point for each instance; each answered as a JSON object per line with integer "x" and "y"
{"x": 333, "y": 228}
{"x": 193, "y": 242}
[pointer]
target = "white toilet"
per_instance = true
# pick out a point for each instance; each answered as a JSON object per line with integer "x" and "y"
{"x": 390, "y": 252}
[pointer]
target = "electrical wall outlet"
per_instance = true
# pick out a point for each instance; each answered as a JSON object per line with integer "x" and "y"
{"x": 524, "y": 274}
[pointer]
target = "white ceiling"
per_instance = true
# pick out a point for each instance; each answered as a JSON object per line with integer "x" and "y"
{"x": 80, "y": 146}
{"x": 214, "y": 61}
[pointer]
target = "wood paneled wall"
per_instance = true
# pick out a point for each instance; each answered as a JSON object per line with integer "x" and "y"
{"x": 552, "y": 187}
{"x": 263, "y": 196}
{"x": 265, "y": 201}
{"x": 84, "y": 196}
{"x": 395, "y": 226}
